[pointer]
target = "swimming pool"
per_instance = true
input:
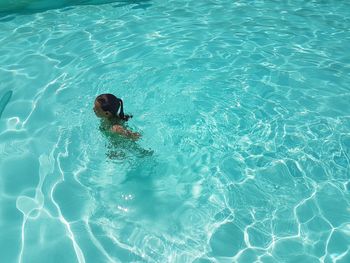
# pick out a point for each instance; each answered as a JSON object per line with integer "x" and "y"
{"x": 245, "y": 105}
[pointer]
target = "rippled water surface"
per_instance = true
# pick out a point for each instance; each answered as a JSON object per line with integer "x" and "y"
{"x": 244, "y": 112}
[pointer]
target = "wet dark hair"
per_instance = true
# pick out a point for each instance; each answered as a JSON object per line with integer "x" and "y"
{"x": 111, "y": 103}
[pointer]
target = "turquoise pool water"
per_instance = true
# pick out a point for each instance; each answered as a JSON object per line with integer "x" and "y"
{"x": 245, "y": 105}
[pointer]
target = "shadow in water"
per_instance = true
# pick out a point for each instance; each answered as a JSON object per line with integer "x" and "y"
{"x": 143, "y": 193}
{"x": 8, "y": 7}
{"x": 5, "y": 99}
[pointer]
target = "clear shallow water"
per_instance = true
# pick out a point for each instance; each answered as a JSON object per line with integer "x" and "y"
{"x": 245, "y": 105}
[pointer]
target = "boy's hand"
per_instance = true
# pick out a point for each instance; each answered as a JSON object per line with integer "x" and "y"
{"x": 122, "y": 131}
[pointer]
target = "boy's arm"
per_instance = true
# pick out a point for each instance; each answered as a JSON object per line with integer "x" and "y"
{"x": 122, "y": 131}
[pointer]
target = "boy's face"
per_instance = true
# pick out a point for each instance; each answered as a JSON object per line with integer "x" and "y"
{"x": 100, "y": 112}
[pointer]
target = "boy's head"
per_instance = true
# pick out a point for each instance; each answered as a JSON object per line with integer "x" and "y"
{"x": 107, "y": 106}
